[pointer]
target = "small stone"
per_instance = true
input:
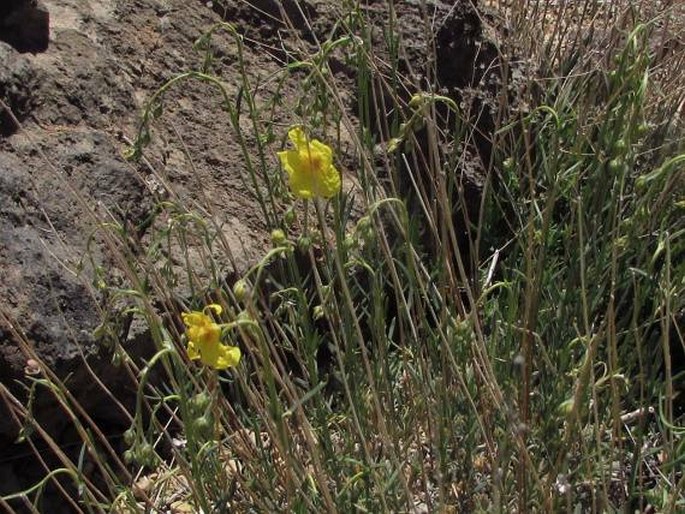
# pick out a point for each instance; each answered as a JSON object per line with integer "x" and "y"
{"x": 32, "y": 367}
{"x": 143, "y": 487}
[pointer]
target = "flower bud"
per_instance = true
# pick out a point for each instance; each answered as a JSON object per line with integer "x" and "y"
{"x": 200, "y": 402}
{"x": 129, "y": 456}
{"x": 146, "y": 454}
{"x": 620, "y": 146}
{"x": 304, "y": 243}
{"x": 130, "y": 436}
{"x": 202, "y": 424}
{"x": 278, "y": 237}
{"x": 417, "y": 101}
{"x": 289, "y": 217}
{"x": 240, "y": 290}
{"x": 615, "y": 165}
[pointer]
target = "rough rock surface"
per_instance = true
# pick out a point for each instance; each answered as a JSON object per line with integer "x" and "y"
{"x": 62, "y": 173}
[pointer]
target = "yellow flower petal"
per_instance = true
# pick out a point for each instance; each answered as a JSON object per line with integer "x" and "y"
{"x": 228, "y": 357}
{"x": 310, "y": 168}
{"x": 219, "y": 356}
{"x": 204, "y": 340}
{"x": 297, "y": 136}
{"x": 192, "y": 352}
{"x": 193, "y": 318}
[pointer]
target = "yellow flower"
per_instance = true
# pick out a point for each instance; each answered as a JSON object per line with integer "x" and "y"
{"x": 310, "y": 166}
{"x": 204, "y": 340}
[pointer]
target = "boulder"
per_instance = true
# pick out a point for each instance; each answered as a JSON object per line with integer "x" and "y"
{"x": 50, "y": 308}
{"x": 62, "y": 175}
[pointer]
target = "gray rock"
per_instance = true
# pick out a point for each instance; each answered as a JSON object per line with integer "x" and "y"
{"x": 62, "y": 174}
{"x": 47, "y": 309}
